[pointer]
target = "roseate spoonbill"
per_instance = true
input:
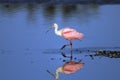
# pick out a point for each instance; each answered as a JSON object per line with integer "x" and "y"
{"x": 67, "y": 33}
{"x": 68, "y": 68}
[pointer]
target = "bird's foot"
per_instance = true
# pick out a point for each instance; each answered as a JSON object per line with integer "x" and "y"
{"x": 64, "y": 46}
{"x": 63, "y": 54}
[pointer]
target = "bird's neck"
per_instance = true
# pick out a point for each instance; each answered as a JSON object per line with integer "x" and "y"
{"x": 58, "y": 70}
{"x": 57, "y": 32}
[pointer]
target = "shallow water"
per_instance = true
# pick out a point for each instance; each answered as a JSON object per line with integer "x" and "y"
{"x": 27, "y": 51}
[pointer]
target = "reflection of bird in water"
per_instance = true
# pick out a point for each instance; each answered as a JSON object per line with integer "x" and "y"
{"x": 68, "y": 33}
{"x": 68, "y": 68}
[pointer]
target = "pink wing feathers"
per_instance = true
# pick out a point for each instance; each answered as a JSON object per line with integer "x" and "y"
{"x": 71, "y": 34}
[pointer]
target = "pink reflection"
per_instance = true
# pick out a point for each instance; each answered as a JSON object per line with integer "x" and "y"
{"x": 68, "y": 68}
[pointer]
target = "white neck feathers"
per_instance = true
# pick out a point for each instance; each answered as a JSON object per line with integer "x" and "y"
{"x": 57, "y": 32}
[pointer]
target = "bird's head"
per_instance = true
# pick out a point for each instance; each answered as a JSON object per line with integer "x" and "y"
{"x": 53, "y": 26}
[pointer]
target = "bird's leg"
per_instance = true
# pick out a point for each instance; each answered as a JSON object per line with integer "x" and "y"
{"x": 70, "y": 50}
{"x": 63, "y": 54}
{"x": 64, "y": 46}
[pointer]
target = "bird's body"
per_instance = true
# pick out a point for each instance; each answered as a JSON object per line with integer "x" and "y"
{"x": 68, "y": 33}
{"x": 71, "y": 34}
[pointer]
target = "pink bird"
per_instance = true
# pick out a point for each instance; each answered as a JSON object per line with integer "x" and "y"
{"x": 68, "y": 68}
{"x": 68, "y": 33}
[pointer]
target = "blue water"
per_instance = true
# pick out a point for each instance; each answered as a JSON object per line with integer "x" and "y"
{"x": 27, "y": 51}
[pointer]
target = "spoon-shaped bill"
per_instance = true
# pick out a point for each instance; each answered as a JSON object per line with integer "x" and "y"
{"x": 49, "y": 29}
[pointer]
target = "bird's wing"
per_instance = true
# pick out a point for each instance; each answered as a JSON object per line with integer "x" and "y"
{"x": 67, "y": 30}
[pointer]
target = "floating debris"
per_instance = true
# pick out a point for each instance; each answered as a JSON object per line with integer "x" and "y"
{"x": 110, "y": 54}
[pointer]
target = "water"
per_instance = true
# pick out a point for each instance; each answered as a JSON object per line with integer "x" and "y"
{"x": 27, "y": 51}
